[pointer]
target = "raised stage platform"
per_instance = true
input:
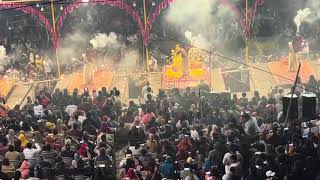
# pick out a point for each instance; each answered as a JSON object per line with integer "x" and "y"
{"x": 284, "y": 78}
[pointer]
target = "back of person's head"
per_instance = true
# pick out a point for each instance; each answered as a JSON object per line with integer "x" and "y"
{"x": 149, "y": 110}
{"x": 214, "y": 171}
{"x": 75, "y": 126}
{"x": 29, "y": 145}
{"x": 143, "y": 107}
{"x": 149, "y": 97}
{"x": 104, "y": 137}
{"x": 102, "y": 151}
{"x": 11, "y": 148}
{"x": 5, "y": 162}
{"x": 233, "y": 158}
{"x": 149, "y": 89}
{"x": 233, "y": 148}
{"x": 47, "y": 147}
{"x": 117, "y": 93}
{"x": 137, "y": 146}
{"x": 111, "y": 92}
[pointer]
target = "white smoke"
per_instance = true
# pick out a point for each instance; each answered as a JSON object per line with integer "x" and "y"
{"x": 314, "y": 5}
{"x": 103, "y": 40}
{"x": 302, "y": 15}
{"x": 73, "y": 45}
{"x": 197, "y": 41}
{"x": 204, "y": 18}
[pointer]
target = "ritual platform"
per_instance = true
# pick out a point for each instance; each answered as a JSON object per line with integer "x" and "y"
{"x": 284, "y": 78}
{"x": 102, "y": 78}
{"x": 186, "y": 70}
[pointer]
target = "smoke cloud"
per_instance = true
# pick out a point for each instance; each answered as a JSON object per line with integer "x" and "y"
{"x": 106, "y": 41}
{"x": 197, "y": 40}
{"x": 302, "y": 15}
{"x": 73, "y": 45}
{"x": 314, "y": 6}
{"x": 201, "y": 21}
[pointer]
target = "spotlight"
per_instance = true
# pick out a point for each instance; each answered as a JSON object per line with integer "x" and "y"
{"x": 153, "y": 3}
{"x": 61, "y": 8}
{"x": 42, "y": 8}
{"x": 37, "y": 5}
{"x": 134, "y": 4}
{"x": 85, "y": 1}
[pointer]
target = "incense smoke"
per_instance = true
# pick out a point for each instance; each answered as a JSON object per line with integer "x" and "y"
{"x": 73, "y": 45}
{"x": 197, "y": 41}
{"x": 206, "y": 21}
{"x": 302, "y": 15}
{"x": 106, "y": 41}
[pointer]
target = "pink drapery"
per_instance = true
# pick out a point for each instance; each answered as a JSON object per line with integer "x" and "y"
{"x": 34, "y": 12}
{"x": 114, "y": 3}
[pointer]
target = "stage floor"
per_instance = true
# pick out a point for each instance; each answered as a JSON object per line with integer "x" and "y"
{"x": 102, "y": 78}
{"x": 282, "y": 77}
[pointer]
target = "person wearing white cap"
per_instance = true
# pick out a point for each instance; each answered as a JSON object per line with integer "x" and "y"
{"x": 270, "y": 175}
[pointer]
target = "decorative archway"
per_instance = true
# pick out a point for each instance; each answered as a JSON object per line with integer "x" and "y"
{"x": 131, "y": 11}
{"x": 34, "y": 12}
{"x": 114, "y": 3}
{"x": 240, "y": 17}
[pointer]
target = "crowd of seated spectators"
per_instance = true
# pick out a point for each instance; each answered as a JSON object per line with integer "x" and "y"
{"x": 169, "y": 135}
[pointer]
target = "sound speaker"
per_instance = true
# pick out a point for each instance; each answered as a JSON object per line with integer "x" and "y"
{"x": 294, "y": 111}
{"x": 309, "y": 106}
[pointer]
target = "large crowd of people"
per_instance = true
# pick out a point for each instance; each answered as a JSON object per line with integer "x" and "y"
{"x": 189, "y": 134}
